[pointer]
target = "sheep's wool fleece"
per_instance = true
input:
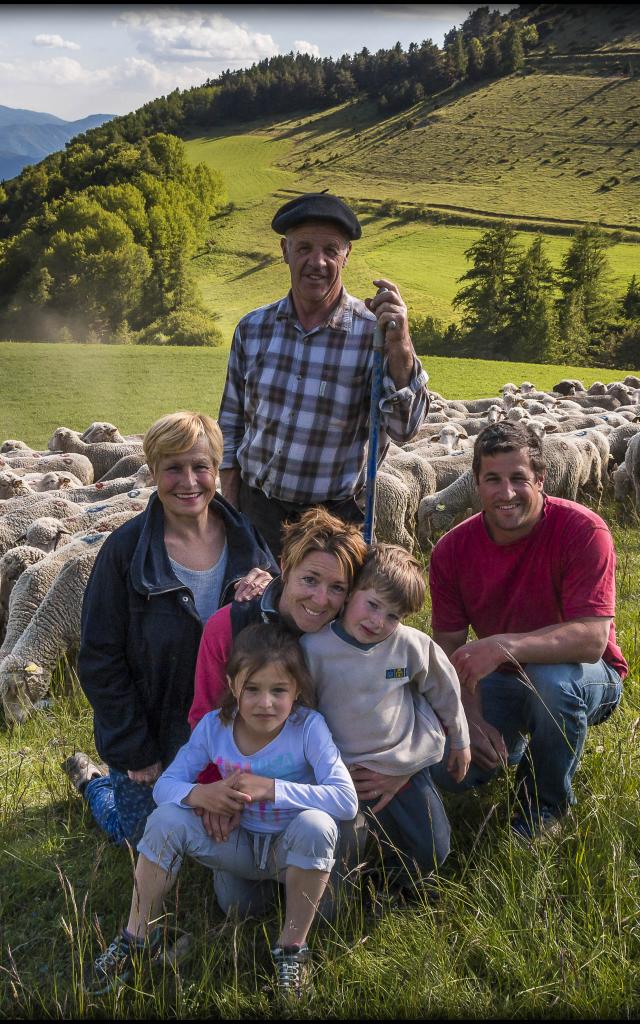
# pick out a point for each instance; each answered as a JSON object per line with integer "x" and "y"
{"x": 386, "y": 705}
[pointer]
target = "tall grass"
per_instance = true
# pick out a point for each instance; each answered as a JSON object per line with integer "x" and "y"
{"x": 549, "y": 932}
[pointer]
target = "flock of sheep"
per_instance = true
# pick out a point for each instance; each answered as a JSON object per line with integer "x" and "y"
{"x": 426, "y": 487}
{"x": 58, "y": 506}
{"x": 56, "y": 509}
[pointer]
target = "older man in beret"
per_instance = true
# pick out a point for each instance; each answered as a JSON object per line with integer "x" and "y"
{"x": 295, "y": 409}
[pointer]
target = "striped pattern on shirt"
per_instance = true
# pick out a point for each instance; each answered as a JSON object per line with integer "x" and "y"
{"x": 295, "y": 408}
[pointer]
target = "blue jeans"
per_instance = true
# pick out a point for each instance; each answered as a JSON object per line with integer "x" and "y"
{"x": 121, "y": 807}
{"x": 544, "y": 725}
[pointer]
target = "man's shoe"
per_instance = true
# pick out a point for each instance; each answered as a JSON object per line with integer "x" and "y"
{"x": 81, "y": 770}
{"x": 292, "y": 969}
{"x": 536, "y": 825}
{"x": 117, "y": 964}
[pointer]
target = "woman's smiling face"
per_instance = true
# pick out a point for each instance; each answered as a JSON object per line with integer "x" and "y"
{"x": 313, "y": 592}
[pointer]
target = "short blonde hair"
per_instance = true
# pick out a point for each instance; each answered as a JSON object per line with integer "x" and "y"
{"x": 318, "y": 530}
{"x": 177, "y": 433}
{"x": 394, "y": 574}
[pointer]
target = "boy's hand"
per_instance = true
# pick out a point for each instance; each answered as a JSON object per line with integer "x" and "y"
{"x": 222, "y": 797}
{"x": 257, "y": 786}
{"x": 372, "y": 785}
{"x": 458, "y": 763}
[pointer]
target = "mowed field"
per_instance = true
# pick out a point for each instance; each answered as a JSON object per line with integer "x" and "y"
{"x": 548, "y": 151}
{"x": 47, "y": 386}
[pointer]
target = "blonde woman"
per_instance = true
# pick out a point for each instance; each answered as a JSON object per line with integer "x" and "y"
{"x": 156, "y": 582}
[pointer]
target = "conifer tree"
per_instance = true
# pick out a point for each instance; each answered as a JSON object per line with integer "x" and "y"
{"x": 532, "y": 331}
{"x": 485, "y": 298}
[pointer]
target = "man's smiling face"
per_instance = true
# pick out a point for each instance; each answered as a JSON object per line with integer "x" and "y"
{"x": 316, "y": 253}
{"x": 510, "y": 493}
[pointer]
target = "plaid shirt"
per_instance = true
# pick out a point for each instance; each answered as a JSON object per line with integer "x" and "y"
{"x": 295, "y": 410}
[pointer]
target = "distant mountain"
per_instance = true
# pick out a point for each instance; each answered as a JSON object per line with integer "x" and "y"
{"x": 27, "y": 136}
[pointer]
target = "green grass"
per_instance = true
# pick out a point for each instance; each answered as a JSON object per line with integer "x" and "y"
{"x": 548, "y": 933}
{"x": 47, "y": 386}
{"x": 543, "y": 149}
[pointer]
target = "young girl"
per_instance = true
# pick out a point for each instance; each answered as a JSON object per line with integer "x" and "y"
{"x": 284, "y": 782}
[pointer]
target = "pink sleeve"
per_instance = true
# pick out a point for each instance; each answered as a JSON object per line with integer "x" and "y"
{"x": 448, "y": 613}
{"x": 589, "y": 579}
{"x": 211, "y": 666}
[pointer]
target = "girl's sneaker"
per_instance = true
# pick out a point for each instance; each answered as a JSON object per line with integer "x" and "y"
{"x": 292, "y": 969}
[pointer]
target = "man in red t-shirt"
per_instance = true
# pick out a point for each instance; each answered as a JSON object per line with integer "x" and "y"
{"x": 534, "y": 577}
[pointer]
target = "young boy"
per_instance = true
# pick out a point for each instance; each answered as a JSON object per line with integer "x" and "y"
{"x": 388, "y": 694}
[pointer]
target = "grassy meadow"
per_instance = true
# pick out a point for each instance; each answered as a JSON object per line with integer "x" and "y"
{"x": 47, "y": 386}
{"x": 549, "y": 932}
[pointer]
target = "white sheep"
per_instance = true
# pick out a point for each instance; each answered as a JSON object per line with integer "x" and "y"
{"x": 103, "y": 456}
{"x": 632, "y": 466}
{"x": 54, "y": 629}
{"x": 438, "y": 512}
{"x": 55, "y": 462}
{"x": 12, "y": 565}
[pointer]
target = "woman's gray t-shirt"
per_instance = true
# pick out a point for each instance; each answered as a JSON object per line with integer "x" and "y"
{"x": 204, "y": 584}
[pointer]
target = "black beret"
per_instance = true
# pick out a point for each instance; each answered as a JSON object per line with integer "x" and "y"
{"x": 316, "y": 206}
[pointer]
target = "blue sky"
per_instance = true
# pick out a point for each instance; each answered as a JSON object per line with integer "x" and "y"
{"x": 71, "y": 60}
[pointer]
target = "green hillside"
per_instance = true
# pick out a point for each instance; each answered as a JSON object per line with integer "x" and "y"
{"x": 547, "y": 151}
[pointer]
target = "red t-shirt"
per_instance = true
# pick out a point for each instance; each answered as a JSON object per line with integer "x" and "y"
{"x": 211, "y": 675}
{"x": 563, "y": 570}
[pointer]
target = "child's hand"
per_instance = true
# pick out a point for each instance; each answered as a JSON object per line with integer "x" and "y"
{"x": 219, "y": 826}
{"x": 257, "y": 786}
{"x": 223, "y": 797}
{"x": 458, "y": 763}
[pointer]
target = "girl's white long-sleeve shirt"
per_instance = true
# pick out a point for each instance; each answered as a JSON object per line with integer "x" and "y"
{"x": 303, "y": 760}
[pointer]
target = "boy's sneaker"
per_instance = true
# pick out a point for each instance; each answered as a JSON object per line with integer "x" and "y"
{"x": 117, "y": 964}
{"x": 292, "y": 969}
{"x": 536, "y": 825}
{"x": 81, "y": 770}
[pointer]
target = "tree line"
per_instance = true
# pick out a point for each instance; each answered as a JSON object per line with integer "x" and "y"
{"x": 487, "y": 45}
{"x": 96, "y": 244}
{"x": 517, "y": 306}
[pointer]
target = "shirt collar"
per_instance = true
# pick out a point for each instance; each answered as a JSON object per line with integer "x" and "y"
{"x": 340, "y": 320}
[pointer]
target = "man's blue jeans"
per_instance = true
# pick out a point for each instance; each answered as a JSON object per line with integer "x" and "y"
{"x": 543, "y": 721}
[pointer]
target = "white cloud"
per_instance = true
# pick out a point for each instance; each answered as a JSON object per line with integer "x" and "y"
{"x": 139, "y": 74}
{"x": 170, "y": 33}
{"x": 301, "y": 46}
{"x": 55, "y": 41}
{"x": 57, "y": 71}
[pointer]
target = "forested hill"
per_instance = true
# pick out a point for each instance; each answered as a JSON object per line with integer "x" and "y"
{"x": 504, "y": 120}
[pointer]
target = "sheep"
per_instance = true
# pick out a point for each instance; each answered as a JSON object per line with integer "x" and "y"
{"x": 565, "y": 467}
{"x": 439, "y": 512}
{"x": 631, "y": 382}
{"x": 568, "y": 387}
{"x": 25, "y": 673}
{"x": 13, "y": 527}
{"x": 126, "y": 466}
{"x": 12, "y": 565}
{"x": 104, "y": 489}
{"x": 48, "y": 534}
{"x": 449, "y": 467}
{"x": 392, "y": 501}
{"x": 621, "y": 483}
{"x": 632, "y": 466}
{"x": 419, "y": 478}
{"x": 601, "y": 442}
{"x": 619, "y": 439}
{"x": 102, "y": 432}
{"x": 61, "y": 462}
{"x": 12, "y": 486}
{"x": 102, "y": 455}
{"x": 597, "y": 388}
{"x": 11, "y": 445}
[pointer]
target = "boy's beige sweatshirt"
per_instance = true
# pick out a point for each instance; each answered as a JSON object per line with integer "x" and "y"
{"x": 386, "y": 706}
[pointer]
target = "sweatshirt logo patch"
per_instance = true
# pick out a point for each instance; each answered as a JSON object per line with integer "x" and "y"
{"x": 397, "y": 673}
